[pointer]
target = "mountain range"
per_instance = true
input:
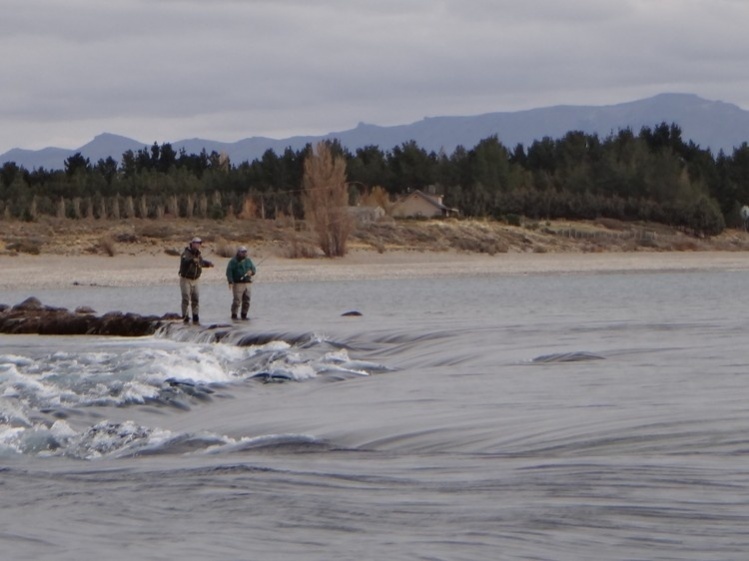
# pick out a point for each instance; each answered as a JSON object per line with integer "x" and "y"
{"x": 710, "y": 124}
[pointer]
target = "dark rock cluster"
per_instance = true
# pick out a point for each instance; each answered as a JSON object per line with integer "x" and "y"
{"x": 31, "y": 316}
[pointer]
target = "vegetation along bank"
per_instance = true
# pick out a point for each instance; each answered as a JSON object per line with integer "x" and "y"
{"x": 653, "y": 176}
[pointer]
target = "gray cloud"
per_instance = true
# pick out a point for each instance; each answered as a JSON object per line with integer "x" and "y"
{"x": 228, "y": 69}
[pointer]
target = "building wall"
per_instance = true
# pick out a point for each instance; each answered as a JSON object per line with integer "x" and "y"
{"x": 414, "y": 205}
{"x": 366, "y": 214}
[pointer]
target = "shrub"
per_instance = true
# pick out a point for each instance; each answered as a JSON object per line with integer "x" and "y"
{"x": 125, "y": 237}
{"x": 513, "y": 219}
{"x": 224, "y": 249}
{"x": 298, "y": 249}
{"x": 379, "y": 245}
{"x": 704, "y": 218}
{"x": 216, "y": 212}
{"x": 107, "y": 245}
{"x": 30, "y": 246}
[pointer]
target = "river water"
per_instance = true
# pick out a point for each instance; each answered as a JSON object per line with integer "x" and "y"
{"x": 537, "y": 417}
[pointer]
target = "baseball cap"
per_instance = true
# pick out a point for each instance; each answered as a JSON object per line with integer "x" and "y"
{"x": 196, "y": 240}
{"x": 242, "y": 249}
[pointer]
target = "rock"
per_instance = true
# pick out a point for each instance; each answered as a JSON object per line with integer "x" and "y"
{"x": 31, "y": 316}
{"x": 85, "y": 310}
{"x": 31, "y": 303}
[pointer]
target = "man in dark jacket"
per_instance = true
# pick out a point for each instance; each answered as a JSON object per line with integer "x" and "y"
{"x": 190, "y": 267}
{"x": 239, "y": 273}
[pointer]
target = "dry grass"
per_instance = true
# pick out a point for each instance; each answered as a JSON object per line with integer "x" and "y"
{"x": 292, "y": 239}
{"x": 612, "y": 224}
{"x": 160, "y": 230}
{"x": 24, "y": 245}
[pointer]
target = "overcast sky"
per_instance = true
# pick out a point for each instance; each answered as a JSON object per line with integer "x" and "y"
{"x": 167, "y": 70}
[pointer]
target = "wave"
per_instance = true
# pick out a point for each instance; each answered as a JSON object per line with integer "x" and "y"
{"x": 161, "y": 371}
{"x": 178, "y": 369}
{"x": 128, "y": 439}
{"x": 231, "y": 335}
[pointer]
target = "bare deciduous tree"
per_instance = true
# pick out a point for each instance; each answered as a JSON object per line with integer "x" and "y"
{"x": 325, "y": 199}
{"x": 249, "y": 208}
{"x": 189, "y": 205}
{"x": 172, "y": 206}
{"x": 77, "y": 207}
{"x": 377, "y": 196}
{"x": 89, "y": 208}
{"x": 202, "y": 205}
{"x": 129, "y": 207}
{"x": 115, "y": 212}
{"x": 143, "y": 207}
{"x": 33, "y": 212}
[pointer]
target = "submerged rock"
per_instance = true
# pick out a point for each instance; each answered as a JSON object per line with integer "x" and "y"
{"x": 33, "y": 317}
{"x": 577, "y": 356}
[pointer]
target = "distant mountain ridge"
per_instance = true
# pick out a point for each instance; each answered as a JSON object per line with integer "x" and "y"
{"x": 710, "y": 124}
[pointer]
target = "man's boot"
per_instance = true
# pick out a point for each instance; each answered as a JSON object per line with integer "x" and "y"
{"x": 195, "y": 319}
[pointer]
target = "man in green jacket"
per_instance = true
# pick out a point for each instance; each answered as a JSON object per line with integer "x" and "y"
{"x": 239, "y": 273}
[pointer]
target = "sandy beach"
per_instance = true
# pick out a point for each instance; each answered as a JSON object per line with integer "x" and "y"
{"x": 60, "y": 271}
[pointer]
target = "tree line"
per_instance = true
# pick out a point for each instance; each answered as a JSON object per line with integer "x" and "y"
{"x": 652, "y": 175}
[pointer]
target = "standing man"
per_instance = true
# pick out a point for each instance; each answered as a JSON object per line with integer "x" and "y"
{"x": 190, "y": 267}
{"x": 239, "y": 273}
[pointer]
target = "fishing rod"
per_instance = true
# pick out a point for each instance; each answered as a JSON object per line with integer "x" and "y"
{"x": 256, "y": 266}
{"x": 262, "y": 260}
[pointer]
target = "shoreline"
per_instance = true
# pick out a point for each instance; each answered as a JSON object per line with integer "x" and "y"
{"x": 62, "y": 271}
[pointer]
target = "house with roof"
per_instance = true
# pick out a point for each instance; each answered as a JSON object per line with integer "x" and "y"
{"x": 419, "y": 204}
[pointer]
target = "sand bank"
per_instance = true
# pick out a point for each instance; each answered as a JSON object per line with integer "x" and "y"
{"x": 58, "y": 271}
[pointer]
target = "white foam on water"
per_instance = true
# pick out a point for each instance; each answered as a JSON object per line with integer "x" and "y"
{"x": 14, "y": 359}
{"x": 12, "y": 414}
{"x": 36, "y": 391}
{"x": 138, "y": 392}
{"x": 61, "y": 429}
{"x": 9, "y": 438}
{"x": 339, "y": 356}
{"x": 190, "y": 364}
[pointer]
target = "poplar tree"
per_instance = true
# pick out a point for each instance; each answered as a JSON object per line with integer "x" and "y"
{"x": 325, "y": 199}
